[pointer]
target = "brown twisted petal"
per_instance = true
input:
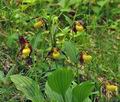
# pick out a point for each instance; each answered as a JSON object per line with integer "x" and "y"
{"x": 22, "y": 40}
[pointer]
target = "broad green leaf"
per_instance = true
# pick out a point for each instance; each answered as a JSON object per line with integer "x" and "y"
{"x": 87, "y": 100}
{"x": 52, "y": 96}
{"x": 71, "y": 51}
{"x": 68, "y": 95}
{"x": 29, "y": 87}
{"x": 82, "y": 91}
{"x": 60, "y": 80}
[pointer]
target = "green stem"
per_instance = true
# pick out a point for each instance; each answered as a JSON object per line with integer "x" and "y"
{"x": 56, "y": 64}
{"x": 77, "y": 73}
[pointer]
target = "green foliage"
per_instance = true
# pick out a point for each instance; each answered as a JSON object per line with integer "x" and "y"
{"x": 71, "y": 51}
{"x": 82, "y": 91}
{"x": 60, "y": 80}
{"x": 29, "y": 1}
{"x": 68, "y": 20}
{"x": 87, "y": 100}
{"x": 12, "y": 40}
{"x": 100, "y": 38}
{"x": 1, "y": 76}
{"x": 52, "y": 95}
{"x": 65, "y": 4}
{"x": 29, "y": 87}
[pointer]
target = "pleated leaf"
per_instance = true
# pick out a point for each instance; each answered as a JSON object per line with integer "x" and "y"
{"x": 51, "y": 95}
{"x": 82, "y": 91}
{"x": 87, "y": 100}
{"x": 60, "y": 80}
{"x": 71, "y": 51}
{"x": 28, "y": 86}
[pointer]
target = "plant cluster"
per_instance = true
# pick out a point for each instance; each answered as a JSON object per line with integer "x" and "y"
{"x": 59, "y": 50}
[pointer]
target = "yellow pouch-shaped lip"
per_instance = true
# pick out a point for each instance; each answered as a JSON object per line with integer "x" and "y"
{"x": 79, "y": 28}
{"x": 26, "y": 52}
{"x": 38, "y": 24}
{"x": 87, "y": 58}
{"x": 56, "y": 55}
{"x": 111, "y": 88}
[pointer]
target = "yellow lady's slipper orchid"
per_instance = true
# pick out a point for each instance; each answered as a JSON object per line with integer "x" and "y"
{"x": 112, "y": 88}
{"x": 79, "y": 28}
{"x": 26, "y": 51}
{"x": 39, "y": 24}
{"x": 87, "y": 58}
{"x": 56, "y": 54}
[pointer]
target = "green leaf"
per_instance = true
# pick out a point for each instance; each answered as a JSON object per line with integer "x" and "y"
{"x": 68, "y": 20}
{"x": 29, "y": 87}
{"x": 87, "y": 100}
{"x": 71, "y": 51}
{"x": 29, "y": 1}
{"x": 1, "y": 77}
{"x": 11, "y": 40}
{"x": 102, "y": 2}
{"x": 51, "y": 95}
{"x": 60, "y": 80}
{"x": 75, "y": 2}
{"x": 62, "y": 3}
{"x": 36, "y": 41}
{"x": 68, "y": 96}
{"x": 82, "y": 91}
